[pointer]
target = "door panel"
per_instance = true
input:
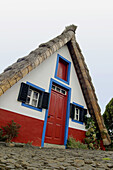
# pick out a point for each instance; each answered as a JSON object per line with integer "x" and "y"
{"x": 56, "y": 118}
{"x": 49, "y": 129}
{"x": 52, "y": 106}
{"x": 58, "y": 130}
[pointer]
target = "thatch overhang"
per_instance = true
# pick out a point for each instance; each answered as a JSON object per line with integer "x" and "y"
{"x": 23, "y": 66}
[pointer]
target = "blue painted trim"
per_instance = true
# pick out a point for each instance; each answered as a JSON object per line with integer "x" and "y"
{"x": 67, "y": 112}
{"x": 67, "y": 117}
{"x": 68, "y": 72}
{"x": 31, "y": 107}
{"x": 60, "y": 84}
{"x": 76, "y": 104}
{"x": 76, "y": 121}
{"x": 62, "y": 80}
{"x": 46, "y": 115}
{"x": 56, "y": 66}
{"x": 37, "y": 87}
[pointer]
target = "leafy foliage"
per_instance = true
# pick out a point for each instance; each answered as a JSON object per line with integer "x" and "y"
{"x": 108, "y": 117}
{"x": 108, "y": 120}
{"x": 8, "y": 132}
{"x": 92, "y": 134}
{"x": 72, "y": 143}
{"x": 1, "y": 133}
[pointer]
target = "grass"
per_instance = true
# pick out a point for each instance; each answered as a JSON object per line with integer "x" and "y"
{"x": 72, "y": 143}
{"x": 107, "y": 159}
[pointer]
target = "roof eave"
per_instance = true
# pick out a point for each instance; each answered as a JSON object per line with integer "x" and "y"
{"x": 88, "y": 88}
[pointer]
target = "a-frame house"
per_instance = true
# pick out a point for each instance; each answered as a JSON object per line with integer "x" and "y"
{"x": 38, "y": 90}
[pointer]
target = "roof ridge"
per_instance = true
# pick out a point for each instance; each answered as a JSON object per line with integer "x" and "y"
{"x": 70, "y": 28}
{"x": 24, "y": 65}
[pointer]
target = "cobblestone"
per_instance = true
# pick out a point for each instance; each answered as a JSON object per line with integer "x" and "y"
{"x": 34, "y": 158}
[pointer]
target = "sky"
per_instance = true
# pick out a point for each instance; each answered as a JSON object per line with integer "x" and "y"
{"x": 24, "y": 24}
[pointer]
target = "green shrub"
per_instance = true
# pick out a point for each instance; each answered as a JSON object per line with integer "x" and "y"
{"x": 1, "y": 133}
{"x": 92, "y": 134}
{"x": 88, "y": 133}
{"x": 9, "y": 131}
{"x": 87, "y": 140}
{"x": 72, "y": 143}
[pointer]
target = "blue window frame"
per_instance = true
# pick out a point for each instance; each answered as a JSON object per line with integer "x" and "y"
{"x": 68, "y": 69}
{"x": 77, "y": 112}
{"x": 38, "y": 89}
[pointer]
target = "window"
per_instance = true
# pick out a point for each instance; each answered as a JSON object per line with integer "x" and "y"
{"x": 63, "y": 69}
{"x": 33, "y": 96}
{"x": 77, "y": 113}
{"x": 58, "y": 89}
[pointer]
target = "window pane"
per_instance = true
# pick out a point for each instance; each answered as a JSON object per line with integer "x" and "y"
{"x": 35, "y": 95}
{"x": 29, "y": 92}
{"x": 58, "y": 89}
{"x": 27, "y": 100}
{"x": 76, "y": 111}
{"x": 53, "y": 87}
{"x": 32, "y": 97}
{"x": 76, "y": 117}
{"x": 76, "y": 114}
{"x": 63, "y": 91}
{"x": 34, "y": 102}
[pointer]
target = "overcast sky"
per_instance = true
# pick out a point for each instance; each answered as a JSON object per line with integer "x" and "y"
{"x": 24, "y": 24}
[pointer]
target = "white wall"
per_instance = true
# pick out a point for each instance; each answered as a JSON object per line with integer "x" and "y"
{"x": 41, "y": 76}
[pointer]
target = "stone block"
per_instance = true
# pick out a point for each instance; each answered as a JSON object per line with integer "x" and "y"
{"x": 10, "y": 144}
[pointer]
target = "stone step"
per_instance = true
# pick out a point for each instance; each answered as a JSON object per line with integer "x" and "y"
{"x": 48, "y": 145}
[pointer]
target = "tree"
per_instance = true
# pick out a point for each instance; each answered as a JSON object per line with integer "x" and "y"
{"x": 108, "y": 117}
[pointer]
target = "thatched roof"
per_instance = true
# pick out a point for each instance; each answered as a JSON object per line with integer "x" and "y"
{"x": 23, "y": 66}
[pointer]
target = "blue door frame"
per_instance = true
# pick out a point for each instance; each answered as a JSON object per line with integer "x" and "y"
{"x": 67, "y": 111}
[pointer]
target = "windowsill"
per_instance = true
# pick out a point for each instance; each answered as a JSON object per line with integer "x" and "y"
{"x": 76, "y": 121}
{"x": 62, "y": 80}
{"x": 31, "y": 107}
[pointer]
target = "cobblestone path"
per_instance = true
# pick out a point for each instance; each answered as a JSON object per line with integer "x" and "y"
{"x": 33, "y": 158}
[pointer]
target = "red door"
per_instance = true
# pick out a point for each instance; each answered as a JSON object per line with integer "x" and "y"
{"x": 55, "y": 129}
